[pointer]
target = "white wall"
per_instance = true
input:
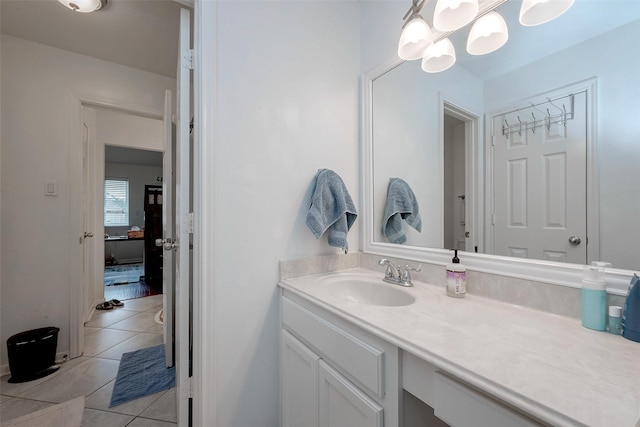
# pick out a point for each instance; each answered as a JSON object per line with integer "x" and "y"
{"x": 129, "y": 130}
{"x": 610, "y": 59}
{"x": 287, "y": 97}
{"x": 37, "y": 82}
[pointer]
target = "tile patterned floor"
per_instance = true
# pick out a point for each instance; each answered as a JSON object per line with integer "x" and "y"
{"x": 108, "y": 335}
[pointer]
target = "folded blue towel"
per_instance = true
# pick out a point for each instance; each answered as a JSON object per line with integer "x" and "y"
{"x": 401, "y": 204}
{"x": 631, "y": 313}
{"x": 331, "y": 209}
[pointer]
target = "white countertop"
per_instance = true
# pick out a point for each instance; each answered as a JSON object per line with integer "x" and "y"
{"x": 547, "y": 365}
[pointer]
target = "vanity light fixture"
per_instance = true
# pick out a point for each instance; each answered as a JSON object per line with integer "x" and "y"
{"x": 451, "y": 15}
{"x": 536, "y": 12}
{"x": 84, "y": 6}
{"x": 416, "y": 34}
{"x": 439, "y": 57}
{"x": 489, "y": 33}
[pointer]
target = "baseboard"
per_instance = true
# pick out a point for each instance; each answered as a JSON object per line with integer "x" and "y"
{"x": 61, "y": 358}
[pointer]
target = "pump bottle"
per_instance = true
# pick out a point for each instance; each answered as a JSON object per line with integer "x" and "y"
{"x": 456, "y": 278}
{"x": 594, "y": 296}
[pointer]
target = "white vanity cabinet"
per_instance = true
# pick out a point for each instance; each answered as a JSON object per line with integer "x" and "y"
{"x": 333, "y": 374}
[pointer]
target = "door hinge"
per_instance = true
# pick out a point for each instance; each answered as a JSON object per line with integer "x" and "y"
{"x": 187, "y": 59}
{"x": 493, "y": 141}
{"x": 187, "y": 388}
{"x": 187, "y": 223}
{"x": 493, "y": 219}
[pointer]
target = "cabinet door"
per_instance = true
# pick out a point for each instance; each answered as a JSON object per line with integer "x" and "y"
{"x": 299, "y": 387}
{"x": 343, "y": 404}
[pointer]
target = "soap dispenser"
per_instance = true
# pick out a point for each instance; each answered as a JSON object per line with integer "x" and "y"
{"x": 594, "y": 296}
{"x": 456, "y": 277}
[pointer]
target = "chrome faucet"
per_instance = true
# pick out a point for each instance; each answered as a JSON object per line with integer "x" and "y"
{"x": 396, "y": 274}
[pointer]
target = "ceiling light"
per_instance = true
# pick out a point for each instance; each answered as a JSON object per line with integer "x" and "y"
{"x": 84, "y": 6}
{"x": 536, "y": 12}
{"x": 489, "y": 33}
{"x": 415, "y": 38}
{"x": 451, "y": 15}
{"x": 439, "y": 57}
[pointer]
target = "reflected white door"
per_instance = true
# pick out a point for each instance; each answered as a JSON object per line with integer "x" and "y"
{"x": 168, "y": 233}
{"x": 540, "y": 185}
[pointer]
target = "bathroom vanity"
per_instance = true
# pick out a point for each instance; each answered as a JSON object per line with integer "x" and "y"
{"x": 352, "y": 347}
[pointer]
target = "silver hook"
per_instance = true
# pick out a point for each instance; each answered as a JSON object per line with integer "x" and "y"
{"x": 520, "y": 129}
{"x": 533, "y": 129}
{"x": 548, "y": 117}
{"x": 506, "y": 129}
{"x": 564, "y": 116}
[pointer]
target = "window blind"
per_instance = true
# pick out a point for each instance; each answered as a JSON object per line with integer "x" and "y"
{"x": 116, "y": 202}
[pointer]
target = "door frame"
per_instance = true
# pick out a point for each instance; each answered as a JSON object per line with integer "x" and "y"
{"x": 78, "y": 312}
{"x": 472, "y": 186}
{"x": 592, "y": 176}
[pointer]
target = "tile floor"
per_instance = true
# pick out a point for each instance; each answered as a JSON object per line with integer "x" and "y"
{"x": 108, "y": 335}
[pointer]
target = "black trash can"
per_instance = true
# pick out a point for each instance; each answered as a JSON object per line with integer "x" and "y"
{"x": 32, "y": 354}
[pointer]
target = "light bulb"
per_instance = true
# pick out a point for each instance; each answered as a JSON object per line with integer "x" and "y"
{"x": 450, "y": 15}
{"x": 415, "y": 38}
{"x": 439, "y": 57}
{"x": 489, "y": 33}
{"x": 536, "y": 12}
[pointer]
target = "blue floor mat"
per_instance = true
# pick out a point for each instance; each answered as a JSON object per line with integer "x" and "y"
{"x": 141, "y": 373}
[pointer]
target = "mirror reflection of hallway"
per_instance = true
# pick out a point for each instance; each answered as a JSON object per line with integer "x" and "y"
{"x": 455, "y": 137}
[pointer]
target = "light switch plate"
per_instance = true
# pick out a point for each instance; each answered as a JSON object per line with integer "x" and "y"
{"x": 51, "y": 187}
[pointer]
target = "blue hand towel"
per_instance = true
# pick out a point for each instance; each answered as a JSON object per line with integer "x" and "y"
{"x": 331, "y": 209}
{"x": 401, "y": 204}
{"x": 631, "y": 313}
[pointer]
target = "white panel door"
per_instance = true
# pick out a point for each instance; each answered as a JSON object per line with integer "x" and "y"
{"x": 168, "y": 220}
{"x": 540, "y": 185}
{"x": 299, "y": 387}
{"x": 343, "y": 404}
{"x": 183, "y": 223}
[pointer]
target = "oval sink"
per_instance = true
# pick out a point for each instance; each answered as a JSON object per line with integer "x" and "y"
{"x": 367, "y": 291}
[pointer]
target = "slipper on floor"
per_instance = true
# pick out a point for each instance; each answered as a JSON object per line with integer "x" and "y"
{"x": 116, "y": 303}
{"x": 104, "y": 306}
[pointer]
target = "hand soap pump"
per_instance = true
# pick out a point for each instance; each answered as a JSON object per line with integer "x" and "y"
{"x": 594, "y": 296}
{"x": 456, "y": 277}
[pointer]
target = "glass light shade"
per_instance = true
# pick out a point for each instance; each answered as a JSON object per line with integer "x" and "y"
{"x": 84, "y": 6}
{"x": 489, "y": 33}
{"x": 439, "y": 57}
{"x": 450, "y": 15}
{"x": 415, "y": 38}
{"x": 536, "y": 12}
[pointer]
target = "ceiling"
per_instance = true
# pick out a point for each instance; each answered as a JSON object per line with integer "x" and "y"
{"x": 142, "y": 34}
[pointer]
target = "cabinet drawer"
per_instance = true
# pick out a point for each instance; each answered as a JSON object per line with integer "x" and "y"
{"x": 460, "y": 406}
{"x": 355, "y": 357}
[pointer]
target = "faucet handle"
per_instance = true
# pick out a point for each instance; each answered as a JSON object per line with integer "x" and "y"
{"x": 406, "y": 275}
{"x": 407, "y": 267}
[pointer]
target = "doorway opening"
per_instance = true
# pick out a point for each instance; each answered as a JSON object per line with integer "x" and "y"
{"x": 459, "y": 138}
{"x": 132, "y": 223}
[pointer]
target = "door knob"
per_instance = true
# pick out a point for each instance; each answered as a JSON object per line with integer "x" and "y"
{"x": 574, "y": 240}
{"x": 166, "y": 244}
{"x": 88, "y": 234}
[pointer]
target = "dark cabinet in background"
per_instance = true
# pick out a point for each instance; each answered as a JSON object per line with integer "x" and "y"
{"x": 152, "y": 231}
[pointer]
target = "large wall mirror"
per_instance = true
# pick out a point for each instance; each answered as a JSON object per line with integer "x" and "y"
{"x": 524, "y": 157}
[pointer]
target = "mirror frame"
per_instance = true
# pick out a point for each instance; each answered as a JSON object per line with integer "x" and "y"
{"x": 563, "y": 274}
